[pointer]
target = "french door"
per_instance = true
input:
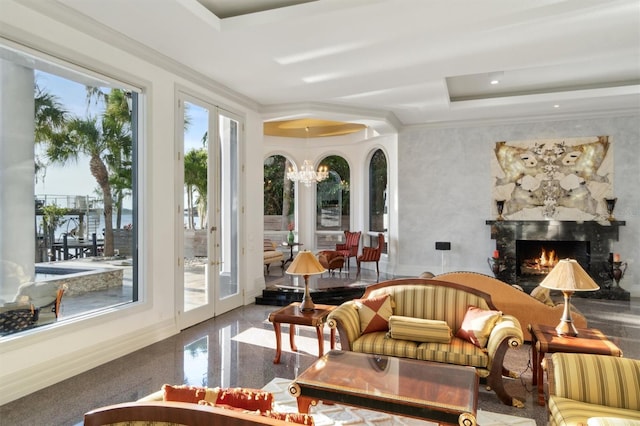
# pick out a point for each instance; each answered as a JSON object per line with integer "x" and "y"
{"x": 207, "y": 275}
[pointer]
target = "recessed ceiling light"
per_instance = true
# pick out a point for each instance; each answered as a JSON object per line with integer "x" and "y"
{"x": 556, "y": 106}
{"x": 495, "y": 77}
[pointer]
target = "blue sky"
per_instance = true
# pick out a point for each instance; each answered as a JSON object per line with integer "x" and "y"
{"x": 75, "y": 178}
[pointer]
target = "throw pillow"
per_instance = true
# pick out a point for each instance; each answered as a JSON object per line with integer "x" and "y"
{"x": 186, "y": 393}
{"x": 299, "y": 418}
{"x": 477, "y": 325}
{"x": 543, "y": 295}
{"x": 419, "y": 330}
{"x": 374, "y": 313}
{"x": 246, "y": 399}
{"x": 303, "y": 419}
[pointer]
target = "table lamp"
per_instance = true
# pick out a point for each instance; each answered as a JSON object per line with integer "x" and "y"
{"x": 306, "y": 264}
{"x": 568, "y": 277}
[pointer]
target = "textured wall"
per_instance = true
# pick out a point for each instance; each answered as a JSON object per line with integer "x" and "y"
{"x": 445, "y": 184}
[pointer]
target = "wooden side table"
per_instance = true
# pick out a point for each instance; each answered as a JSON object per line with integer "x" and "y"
{"x": 291, "y": 246}
{"x": 545, "y": 340}
{"x": 293, "y": 316}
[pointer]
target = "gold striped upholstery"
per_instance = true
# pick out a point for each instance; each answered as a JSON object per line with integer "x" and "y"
{"x": 611, "y": 421}
{"x": 437, "y": 301}
{"x": 459, "y": 352}
{"x": 602, "y": 380}
{"x": 432, "y": 302}
{"x": 593, "y": 386}
{"x": 419, "y": 330}
{"x": 379, "y": 344}
{"x": 569, "y": 412}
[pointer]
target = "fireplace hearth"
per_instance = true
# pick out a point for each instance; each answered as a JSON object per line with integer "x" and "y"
{"x": 538, "y": 257}
{"x": 521, "y": 244}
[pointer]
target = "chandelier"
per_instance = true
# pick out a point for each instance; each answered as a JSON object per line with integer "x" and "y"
{"x": 307, "y": 174}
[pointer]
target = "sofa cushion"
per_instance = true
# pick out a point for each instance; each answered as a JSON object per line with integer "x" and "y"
{"x": 418, "y": 329}
{"x": 611, "y": 421}
{"x": 566, "y": 411}
{"x": 378, "y": 343}
{"x": 245, "y": 398}
{"x": 186, "y": 393}
{"x": 477, "y": 325}
{"x": 458, "y": 351}
{"x": 374, "y": 313}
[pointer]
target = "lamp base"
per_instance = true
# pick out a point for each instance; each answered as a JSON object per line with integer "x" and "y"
{"x": 566, "y": 329}
{"x": 307, "y": 304}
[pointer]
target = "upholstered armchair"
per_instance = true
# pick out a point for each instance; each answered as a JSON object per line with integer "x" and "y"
{"x": 372, "y": 254}
{"x": 331, "y": 260}
{"x": 350, "y": 247}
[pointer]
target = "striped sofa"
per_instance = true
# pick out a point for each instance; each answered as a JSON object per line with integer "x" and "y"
{"x": 593, "y": 390}
{"x": 431, "y": 299}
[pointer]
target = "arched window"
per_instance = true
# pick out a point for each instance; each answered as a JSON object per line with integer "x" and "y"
{"x": 333, "y": 206}
{"x": 279, "y": 198}
{"x": 378, "y": 207}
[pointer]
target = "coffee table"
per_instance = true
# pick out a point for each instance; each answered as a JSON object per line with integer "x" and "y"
{"x": 545, "y": 340}
{"x": 444, "y": 393}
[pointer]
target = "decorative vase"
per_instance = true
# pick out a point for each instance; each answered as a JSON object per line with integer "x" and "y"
{"x": 500, "y": 208}
{"x": 611, "y": 205}
{"x": 291, "y": 237}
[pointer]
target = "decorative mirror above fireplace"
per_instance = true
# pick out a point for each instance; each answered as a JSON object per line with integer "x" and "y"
{"x": 560, "y": 179}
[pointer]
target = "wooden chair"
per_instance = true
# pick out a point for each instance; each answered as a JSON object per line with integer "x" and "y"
{"x": 350, "y": 247}
{"x": 371, "y": 254}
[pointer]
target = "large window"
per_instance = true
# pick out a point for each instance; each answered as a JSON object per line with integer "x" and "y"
{"x": 333, "y": 209}
{"x": 378, "y": 207}
{"x": 68, "y": 216}
{"x": 279, "y": 198}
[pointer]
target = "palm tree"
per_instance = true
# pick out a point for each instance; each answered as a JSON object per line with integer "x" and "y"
{"x": 117, "y": 120}
{"x": 50, "y": 121}
{"x": 87, "y": 136}
{"x": 195, "y": 180}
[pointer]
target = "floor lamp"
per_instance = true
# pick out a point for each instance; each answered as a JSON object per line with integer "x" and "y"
{"x": 568, "y": 277}
{"x": 306, "y": 264}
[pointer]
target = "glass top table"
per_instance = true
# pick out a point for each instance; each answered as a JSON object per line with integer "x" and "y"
{"x": 447, "y": 394}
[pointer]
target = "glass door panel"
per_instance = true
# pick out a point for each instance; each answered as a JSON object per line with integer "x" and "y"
{"x": 228, "y": 295}
{"x": 196, "y": 207}
{"x": 207, "y": 276}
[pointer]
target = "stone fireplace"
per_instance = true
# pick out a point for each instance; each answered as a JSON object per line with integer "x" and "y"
{"x": 526, "y": 246}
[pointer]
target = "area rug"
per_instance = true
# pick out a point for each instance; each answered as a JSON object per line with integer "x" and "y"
{"x": 337, "y": 414}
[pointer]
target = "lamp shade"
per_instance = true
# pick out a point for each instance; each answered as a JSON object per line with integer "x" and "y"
{"x": 305, "y": 263}
{"x": 568, "y": 275}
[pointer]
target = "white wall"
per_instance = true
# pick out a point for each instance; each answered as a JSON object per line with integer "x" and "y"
{"x": 444, "y": 186}
{"x": 35, "y": 359}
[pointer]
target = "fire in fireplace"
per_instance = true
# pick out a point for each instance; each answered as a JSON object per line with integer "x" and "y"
{"x": 535, "y": 257}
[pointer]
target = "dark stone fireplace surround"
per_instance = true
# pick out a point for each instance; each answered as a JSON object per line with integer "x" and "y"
{"x": 600, "y": 237}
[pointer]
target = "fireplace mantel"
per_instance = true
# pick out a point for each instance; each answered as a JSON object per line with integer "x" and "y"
{"x": 600, "y": 235}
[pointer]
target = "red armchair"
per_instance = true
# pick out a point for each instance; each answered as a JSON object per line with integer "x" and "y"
{"x": 350, "y": 247}
{"x": 371, "y": 254}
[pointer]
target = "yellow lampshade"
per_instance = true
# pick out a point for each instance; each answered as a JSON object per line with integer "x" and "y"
{"x": 305, "y": 263}
{"x": 569, "y": 275}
